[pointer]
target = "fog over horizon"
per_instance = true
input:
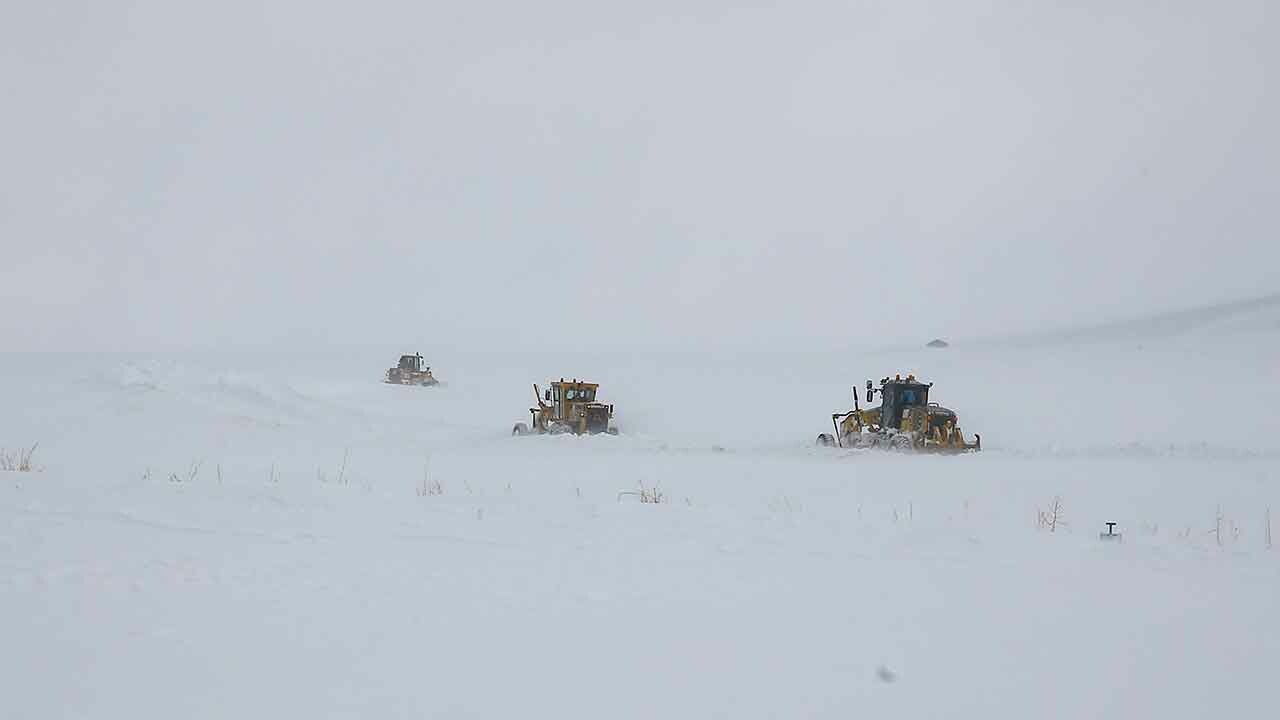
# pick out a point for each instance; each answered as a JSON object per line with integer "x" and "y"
{"x": 665, "y": 175}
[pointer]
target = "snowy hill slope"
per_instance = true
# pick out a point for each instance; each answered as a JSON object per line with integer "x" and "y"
{"x": 330, "y": 546}
{"x": 1261, "y": 314}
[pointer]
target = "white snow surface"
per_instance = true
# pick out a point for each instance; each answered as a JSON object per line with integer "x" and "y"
{"x": 778, "y": 580}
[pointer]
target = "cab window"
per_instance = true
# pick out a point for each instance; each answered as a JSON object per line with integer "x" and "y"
{"x": 911, "y": 396}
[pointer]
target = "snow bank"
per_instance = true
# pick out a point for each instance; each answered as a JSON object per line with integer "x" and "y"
{"x": 216, "y": 537}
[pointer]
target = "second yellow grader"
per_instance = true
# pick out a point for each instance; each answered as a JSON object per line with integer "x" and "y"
{"x": 568, "y": 406}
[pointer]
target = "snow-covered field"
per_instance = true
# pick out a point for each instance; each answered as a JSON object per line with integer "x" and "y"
{"x": 283, "y": 536}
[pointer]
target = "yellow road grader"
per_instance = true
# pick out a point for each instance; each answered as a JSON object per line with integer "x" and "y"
{"x": 568, "y": 406}
{"x": 904, "y": 421}
{"x": 411, "y": 371}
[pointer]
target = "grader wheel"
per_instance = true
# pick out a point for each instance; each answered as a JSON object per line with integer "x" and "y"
{"x": 825, "y": 440}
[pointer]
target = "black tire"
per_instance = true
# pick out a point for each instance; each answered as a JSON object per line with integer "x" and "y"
{"x": 825, "y": 440}
{"x": 519, "y": 429}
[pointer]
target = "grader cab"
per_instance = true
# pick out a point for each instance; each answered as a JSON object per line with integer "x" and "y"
{"x": 568, "y": 406}
{"x": 411, "y": 371}
{"x": 904, "y": 421}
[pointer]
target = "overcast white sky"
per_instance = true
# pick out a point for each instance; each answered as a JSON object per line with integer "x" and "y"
{"x": 649, "y": 174}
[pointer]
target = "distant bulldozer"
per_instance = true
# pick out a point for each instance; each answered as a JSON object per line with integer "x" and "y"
{"x": 568, "y": 406}
{"x": 411, "y": 371}
{"x": 904, "y": 421}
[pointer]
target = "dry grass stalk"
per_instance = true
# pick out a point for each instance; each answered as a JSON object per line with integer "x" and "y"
{"x": 19, "y": 460}
{"x": 648, "y": 495}
{"x": 429, "y": 487}
{"x": 1053, "y": 517}
{"x": 192, "y": 473}
{"x": 342, "y": 471}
